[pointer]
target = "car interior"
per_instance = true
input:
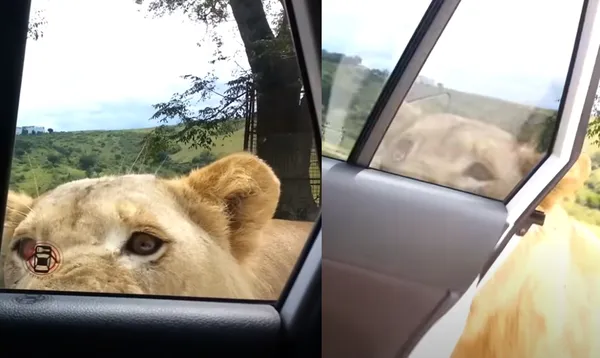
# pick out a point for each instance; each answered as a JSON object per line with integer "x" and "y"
{"x": 401, "y": 251}
{"x": 100, "y": 325}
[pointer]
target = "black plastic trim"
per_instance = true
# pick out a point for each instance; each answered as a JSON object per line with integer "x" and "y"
{"x": 301, "y": 310}
{"x": 14, "y": 20}
{"x": 145, "y": 326}
{"x": 305, "y": 22}
{"x": 300, "y": 302}
{"x": 304, "y": 18}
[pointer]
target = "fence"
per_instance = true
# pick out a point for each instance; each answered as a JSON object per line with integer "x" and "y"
{"x": 314, "y": 172}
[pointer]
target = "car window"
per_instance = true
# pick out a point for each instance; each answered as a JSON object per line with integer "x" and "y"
{"x": 361, "y": 45}
{"x": 157, "y": 154}
{"x": 484, "y": 109}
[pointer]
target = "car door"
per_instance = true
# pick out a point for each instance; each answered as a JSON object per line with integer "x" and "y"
{"x": 41, "y": 323}
{"x": 406, "y": 230}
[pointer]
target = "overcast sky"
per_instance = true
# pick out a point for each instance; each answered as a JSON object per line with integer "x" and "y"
{"x": 101, "y": 64}
{"x": 518, "y": 50}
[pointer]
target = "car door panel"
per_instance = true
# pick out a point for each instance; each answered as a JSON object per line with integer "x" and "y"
{"x": 386, "y": 264}
{"x": 385, "y": 310}
{"x": 391, "y": 233}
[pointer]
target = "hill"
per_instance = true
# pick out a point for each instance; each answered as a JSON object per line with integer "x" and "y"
{"x": 43, "y": 161}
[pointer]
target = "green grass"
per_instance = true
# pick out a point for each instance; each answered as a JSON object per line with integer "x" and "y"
{"x": 222, "y": 146}
{"x": 43, "y": 161}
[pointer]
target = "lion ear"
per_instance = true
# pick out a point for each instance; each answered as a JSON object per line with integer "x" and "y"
{"x": 247, "y": 191}
{"x": 18, "y": 206}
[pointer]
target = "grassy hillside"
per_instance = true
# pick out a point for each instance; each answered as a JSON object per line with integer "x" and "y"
{"x": 43, "y": 161}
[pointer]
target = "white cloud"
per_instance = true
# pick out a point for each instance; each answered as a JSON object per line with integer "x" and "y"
{"x": 98, "y": 52}
{"x": 511, "y": 48}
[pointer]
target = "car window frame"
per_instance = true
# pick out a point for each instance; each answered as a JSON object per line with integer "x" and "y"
{"x": 266, "y": 328}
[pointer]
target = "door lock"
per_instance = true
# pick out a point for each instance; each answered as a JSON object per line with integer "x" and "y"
{"x": 537, "y": 217}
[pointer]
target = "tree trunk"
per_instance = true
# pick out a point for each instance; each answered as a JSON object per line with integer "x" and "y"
{"x": 285, "y": 141}
{"x": 284, "y": 130}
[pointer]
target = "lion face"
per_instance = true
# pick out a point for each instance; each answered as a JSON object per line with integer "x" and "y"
{"x": 144, "y": 235}
{"x": 457, "y": 152}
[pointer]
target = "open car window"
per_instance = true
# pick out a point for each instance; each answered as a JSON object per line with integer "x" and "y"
{"x": 141, "y": 198}
{"x": 469, "y": 131}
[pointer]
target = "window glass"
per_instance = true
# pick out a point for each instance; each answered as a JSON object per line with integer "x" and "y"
{"x": 483, "y": 110}
{"x": 358, "y": 56}
{"x": 153, "y": 156}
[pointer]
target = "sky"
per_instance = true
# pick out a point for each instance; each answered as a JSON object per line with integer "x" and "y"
{"x": 101, "y": 64}
{"x": 511, "y": 49}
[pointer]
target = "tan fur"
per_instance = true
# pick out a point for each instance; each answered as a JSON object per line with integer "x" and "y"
{"x": 544, "y": 300}
{"x": 446, "y": 145}
{"x": 220, "y": 238}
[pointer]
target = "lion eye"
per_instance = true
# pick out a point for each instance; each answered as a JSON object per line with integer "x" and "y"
{"x": 25, "y": 247}
{"x": 143, "y": 244}
{"x": 479, "y": 172}
{"x": 401, "y": 149}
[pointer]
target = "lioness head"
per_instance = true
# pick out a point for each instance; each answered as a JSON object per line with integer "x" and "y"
{"x": 454, "y": 151}
{"x": 142, "y": 234}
